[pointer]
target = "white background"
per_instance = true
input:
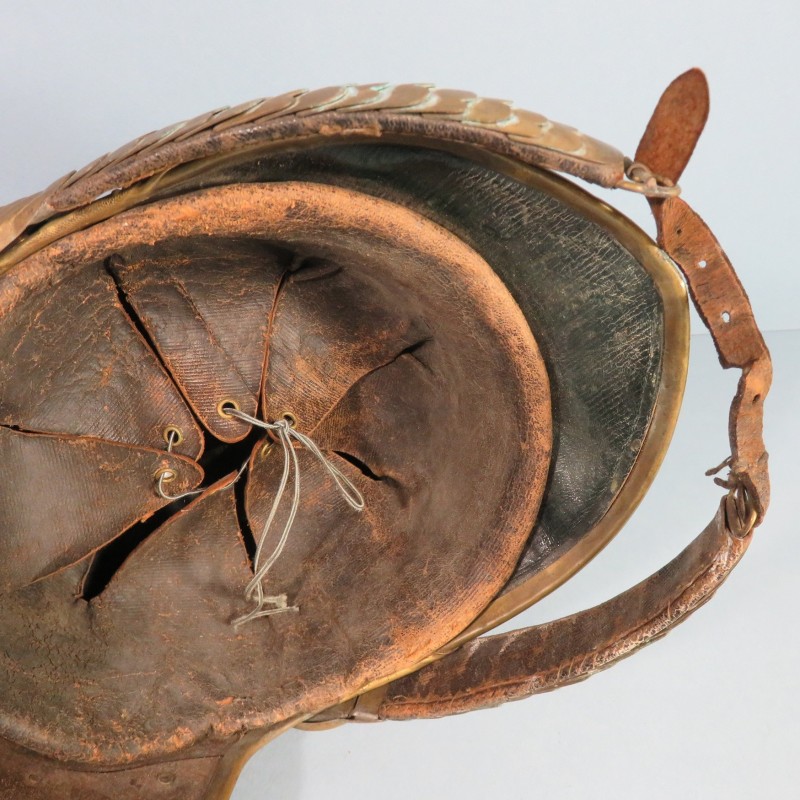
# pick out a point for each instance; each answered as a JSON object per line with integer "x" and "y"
{"x": 713, "y": 710}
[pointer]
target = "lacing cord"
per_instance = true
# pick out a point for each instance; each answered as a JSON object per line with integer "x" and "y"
{"x": 264, "y": 604}
{"x": 166, "y": 475}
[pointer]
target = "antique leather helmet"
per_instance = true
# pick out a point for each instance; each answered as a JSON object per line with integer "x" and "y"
{"x": 299, "y": 398}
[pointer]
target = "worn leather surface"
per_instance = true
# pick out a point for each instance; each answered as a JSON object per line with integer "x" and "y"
{"x": 74, "y": 362}
{"x": 597, "y": 315}
{"x": 27, "y": 776}
{"x": 595, "y": 307}
{"x": 496, "y": 669}
{"x": 718, "y": 294}
{"x": 64, "y": 497}
{"x": 316, "y": 353}
{"x": 149, "y": 669}
{"x": 510, "y": 666}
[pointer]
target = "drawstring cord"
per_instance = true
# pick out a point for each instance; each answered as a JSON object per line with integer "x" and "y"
{"x": 276, "y": 604}
{"x": 266, "y": 605}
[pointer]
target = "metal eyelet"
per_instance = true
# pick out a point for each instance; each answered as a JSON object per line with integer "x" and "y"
{"x": 225, "y": 405}
{"x": 173, "y": 435}
{"x": 289, "y": 417}
{"x": 165, "y": 474}
{"x": 266, "y": 449}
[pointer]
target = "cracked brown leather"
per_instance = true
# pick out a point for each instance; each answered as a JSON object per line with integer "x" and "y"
{"x": 71, "y": 354}
{"x": 309, "y": 374}
{"x": 149, "y": 670}
{"x": 493, "y": 670}
{"x": 722, "y": 303}
{"x": 392, "y": 341}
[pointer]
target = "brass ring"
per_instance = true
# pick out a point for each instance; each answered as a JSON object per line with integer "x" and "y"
{"x": 173, "y": 431}
{"x": 740, "y": 513}
{"x": 266, "y": 449}
{"x": 289, "y": 417}
{"x": 223, "y": 405}
{"x": 165, "y": 474}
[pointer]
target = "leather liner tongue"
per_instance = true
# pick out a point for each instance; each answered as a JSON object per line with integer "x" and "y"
{"x": 206, "y": 307}
{"x": 74, "y": 363}
{"x": 62, "y": 497}
{"x": 331, "y": 327}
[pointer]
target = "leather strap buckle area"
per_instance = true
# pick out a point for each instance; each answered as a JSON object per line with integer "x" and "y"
{"x": 741, "y": 514}
{"x": 640, "y": 178}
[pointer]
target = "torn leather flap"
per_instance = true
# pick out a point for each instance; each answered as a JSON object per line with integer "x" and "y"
{"x": 75, "y": 363}
{"x": 63, "y": 497}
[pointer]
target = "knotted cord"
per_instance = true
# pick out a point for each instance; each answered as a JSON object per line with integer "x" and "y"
{"x": 265, "y": 605}
{"x": 275, "y": 604}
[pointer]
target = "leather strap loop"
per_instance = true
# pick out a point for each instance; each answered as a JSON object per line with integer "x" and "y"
{"x": 723, "y": 305}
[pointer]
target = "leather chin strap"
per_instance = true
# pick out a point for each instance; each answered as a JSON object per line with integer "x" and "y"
{"x": 495, "y": 669}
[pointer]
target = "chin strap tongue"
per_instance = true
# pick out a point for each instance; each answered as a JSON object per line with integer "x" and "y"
{"x": 675, "y": 126}
{"x": 669, "y": 139}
